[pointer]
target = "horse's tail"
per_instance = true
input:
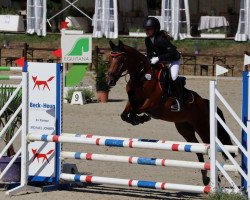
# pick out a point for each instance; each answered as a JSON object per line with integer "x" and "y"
{"x": 222, "y": 134}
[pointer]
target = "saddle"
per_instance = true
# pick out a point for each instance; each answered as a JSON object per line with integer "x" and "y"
{"x": 164, "y": 78}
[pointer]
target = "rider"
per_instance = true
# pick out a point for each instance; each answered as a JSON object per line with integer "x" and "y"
{"x": 159, "y": 48}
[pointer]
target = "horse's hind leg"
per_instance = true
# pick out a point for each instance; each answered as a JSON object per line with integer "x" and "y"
{"x": 188, "y": 132}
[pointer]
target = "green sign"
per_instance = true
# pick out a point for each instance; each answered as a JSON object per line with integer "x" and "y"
{"x": 76, "y": 48}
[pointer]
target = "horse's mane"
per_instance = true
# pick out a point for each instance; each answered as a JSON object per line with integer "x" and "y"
{"x": 136, "y": 54}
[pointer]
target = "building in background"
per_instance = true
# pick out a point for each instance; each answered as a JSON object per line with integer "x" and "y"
{"x": 182, "y": 18}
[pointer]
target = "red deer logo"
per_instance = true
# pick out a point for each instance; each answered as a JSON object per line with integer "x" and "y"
{"x": 41, "y": 82}
{"x": 41, "y": 155}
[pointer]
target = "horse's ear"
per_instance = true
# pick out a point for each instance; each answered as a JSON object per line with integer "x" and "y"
{"x": 111, "y": 44}
{"x": 121, "y": 44}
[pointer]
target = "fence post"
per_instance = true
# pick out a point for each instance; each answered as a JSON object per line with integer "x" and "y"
{"x": 96, "y": 53}
{"x": 213, "y": 136}
{"x": 247, "y": 135}
{"x": 25, "y": 50}
{"x": 0, "y": 56}
{"x": 245, "y": 118}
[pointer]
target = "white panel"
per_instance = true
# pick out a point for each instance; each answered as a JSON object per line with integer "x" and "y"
{"x": 42, "y": 117}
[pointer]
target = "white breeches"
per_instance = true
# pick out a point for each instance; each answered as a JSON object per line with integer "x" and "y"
{"x": 174, "y": 69}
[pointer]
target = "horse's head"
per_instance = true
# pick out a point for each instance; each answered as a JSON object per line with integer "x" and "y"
{"x": 117, "y": 59}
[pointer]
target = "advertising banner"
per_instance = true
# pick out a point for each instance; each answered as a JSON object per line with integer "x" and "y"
{"x": 44, "y": 107}
{"x": 76, "y": 47}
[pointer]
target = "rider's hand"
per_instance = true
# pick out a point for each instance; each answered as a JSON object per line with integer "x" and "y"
{"x": 154, "y": 60}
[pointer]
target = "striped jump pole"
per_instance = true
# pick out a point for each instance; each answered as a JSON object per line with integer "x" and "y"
{"x": 119, "y": 143}
{"x": 143, "y": 160}
{"x": 230, "y": 148}
{"x": 10, "y": 77}
{"x": 4, "y": 68}
{"x": 130, "y": 139}
{"x": 135, "y": 183}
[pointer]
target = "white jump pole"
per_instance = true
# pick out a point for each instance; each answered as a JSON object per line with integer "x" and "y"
{"x": 135, "y": 183}
{"x": 142, "y": 160}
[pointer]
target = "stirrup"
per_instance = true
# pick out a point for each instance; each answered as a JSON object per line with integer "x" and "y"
{"x": 176, "y": 107}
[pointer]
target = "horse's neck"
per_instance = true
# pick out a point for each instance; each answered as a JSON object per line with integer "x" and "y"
{"x": 137, "y": 65}
{"x": 136, "y": 69}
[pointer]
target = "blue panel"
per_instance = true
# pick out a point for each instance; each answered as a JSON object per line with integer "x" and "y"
{"x": 59, "y": 69}
{"x": 244, "y": 119}
{"x": 25, "y": 68}
{"x": 146, "y": 161}
{"x": 114, "y": 143}
{"x": 41, "y": 179}
{"x": 147, "y": 184}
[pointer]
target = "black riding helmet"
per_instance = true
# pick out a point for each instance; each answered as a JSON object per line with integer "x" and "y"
{"x": 152, "y": 22}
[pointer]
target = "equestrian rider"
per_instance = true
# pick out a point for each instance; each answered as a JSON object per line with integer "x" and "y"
{"x": 159, "y": 48}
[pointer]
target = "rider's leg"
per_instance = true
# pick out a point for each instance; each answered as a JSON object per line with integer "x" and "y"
{"x": 176, "y": 86}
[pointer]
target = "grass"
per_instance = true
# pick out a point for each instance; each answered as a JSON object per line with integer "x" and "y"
{"x": 187, "y": 45}
{"x": 205, "y": 46}
{"x": 26, "y": 38}
{"x": 224, "y": 196}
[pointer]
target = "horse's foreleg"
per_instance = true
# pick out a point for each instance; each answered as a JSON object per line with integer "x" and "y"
{"x": 131, "y": 110}
{"x": 126, "y": 111}
{"x": 130, "y": 116}
{"x": 146, "y": 105}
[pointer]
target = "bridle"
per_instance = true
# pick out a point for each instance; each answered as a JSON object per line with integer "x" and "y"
{"x": 121, "y": 64}
{"x": 118, "y": 73}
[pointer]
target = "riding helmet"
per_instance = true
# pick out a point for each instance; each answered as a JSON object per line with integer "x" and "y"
{"x": 152, "y": 22}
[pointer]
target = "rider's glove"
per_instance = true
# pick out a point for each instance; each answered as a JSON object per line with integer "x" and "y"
{"x": 154, "y": 60}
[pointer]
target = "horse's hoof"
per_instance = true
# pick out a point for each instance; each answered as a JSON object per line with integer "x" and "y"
{"x": 135, "y": 121}
{"x": 145, "y": 118}
{"x": 124, "y": 117}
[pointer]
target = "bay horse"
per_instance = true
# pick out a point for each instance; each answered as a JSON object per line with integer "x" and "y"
{"x": 145, "y": 96}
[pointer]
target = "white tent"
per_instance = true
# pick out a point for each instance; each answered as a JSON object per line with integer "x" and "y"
{"x": 36, "y": 17}
{"x": 105, "y": 20}
{"x": 175, "y": 18}
{"x": 243, "y": 32}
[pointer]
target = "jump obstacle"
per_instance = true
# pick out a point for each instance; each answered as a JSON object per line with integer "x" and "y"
{"x": 9, "y": 77}
{"x": 213, "y": 166}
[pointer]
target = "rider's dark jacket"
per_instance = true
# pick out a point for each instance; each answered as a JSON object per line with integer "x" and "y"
{"x": 161, "y": 48}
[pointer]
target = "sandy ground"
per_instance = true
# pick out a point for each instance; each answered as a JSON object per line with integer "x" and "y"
{"x": 104, "y": 119}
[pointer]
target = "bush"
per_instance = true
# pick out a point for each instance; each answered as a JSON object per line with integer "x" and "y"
{"x": 101, "y": 84}
{"x": 101, "y": 68}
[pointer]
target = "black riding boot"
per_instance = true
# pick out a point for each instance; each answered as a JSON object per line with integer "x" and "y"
{"x": 177, "y": 89}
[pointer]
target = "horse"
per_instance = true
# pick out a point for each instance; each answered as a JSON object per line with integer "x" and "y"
{"x": 146, "y": 99}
